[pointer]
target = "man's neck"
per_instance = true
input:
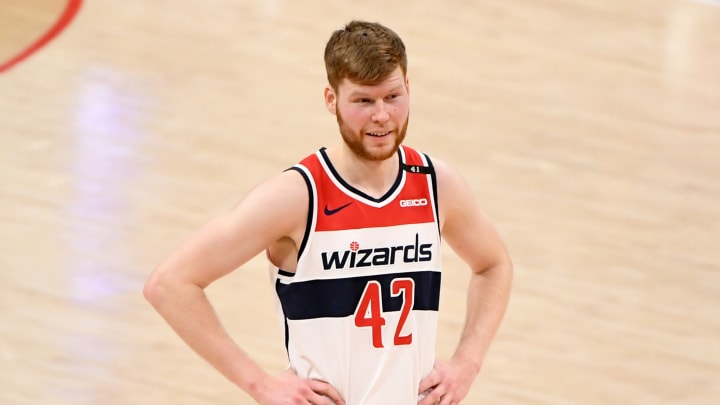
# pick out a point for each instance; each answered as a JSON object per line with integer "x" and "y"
{"x": 374, "y": 178}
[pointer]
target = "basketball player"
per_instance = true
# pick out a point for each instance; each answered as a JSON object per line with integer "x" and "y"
{"x": 353, "y": 236}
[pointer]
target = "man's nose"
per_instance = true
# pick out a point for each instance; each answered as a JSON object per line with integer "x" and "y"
{"x": 380, "y": 114}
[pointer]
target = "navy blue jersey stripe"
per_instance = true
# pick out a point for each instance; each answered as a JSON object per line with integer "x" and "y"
{"x": 339, "y": 297}
{"x": 311, "y": 209}
{"x": 285, "y": 273}
{"x": 433, "y": 181}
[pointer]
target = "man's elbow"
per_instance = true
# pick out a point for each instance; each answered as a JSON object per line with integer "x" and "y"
{"x": 506, "y": 269}
{"x": 155, "y": 288}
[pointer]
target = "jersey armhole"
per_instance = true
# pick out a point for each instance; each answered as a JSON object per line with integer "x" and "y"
{"x": 311, "y": 207}
{"x": 433, "y": 185}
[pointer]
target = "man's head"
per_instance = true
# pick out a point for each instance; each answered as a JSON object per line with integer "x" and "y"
{"x": 363, "y": 52}
{"x": 368, "y": 89}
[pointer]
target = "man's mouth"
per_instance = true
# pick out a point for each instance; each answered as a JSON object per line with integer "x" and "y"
{"x": 378, "y": 134}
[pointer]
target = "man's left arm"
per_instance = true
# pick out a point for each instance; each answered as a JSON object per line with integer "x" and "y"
{"x": 472, "y": 236}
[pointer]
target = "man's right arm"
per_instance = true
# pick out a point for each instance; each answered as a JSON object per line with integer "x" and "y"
{"x": 273, "y": 210}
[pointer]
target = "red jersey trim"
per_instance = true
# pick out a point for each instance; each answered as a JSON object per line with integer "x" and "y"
{"x": 339, "y": 206}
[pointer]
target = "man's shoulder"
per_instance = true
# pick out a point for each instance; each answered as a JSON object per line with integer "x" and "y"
{"x": 312, "y": 156}
{"x": 438, "y": 164}
{"x": 411, "y": 149}
{"x": 446, "y": 175}
{"x": 288, "y": 185}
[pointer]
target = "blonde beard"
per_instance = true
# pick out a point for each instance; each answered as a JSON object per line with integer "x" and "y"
{"x": 354, "y": 141}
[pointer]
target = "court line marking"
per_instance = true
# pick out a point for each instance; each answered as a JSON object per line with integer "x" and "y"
{"x": 67, "y": 16}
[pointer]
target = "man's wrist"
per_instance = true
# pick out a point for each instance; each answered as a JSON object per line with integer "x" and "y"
{"x": 469, "y": 362}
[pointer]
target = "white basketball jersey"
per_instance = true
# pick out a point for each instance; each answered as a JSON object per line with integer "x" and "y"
{"x": 360, "y": 312}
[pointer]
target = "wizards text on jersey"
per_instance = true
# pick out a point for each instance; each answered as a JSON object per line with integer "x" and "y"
{"x": 380, "y": 256}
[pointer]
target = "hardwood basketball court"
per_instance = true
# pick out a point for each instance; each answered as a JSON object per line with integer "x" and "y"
{"x": 589, "y": 130}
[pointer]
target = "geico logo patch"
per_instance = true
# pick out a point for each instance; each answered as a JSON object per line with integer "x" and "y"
{"x": 418, "y": 202}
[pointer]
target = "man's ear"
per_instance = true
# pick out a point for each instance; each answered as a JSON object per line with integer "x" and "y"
{"x": 407, "y": 84}
{"x": 330, "y": 99}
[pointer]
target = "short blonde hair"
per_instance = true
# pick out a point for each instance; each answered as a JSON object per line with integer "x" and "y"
{"x": 363, "y": 52}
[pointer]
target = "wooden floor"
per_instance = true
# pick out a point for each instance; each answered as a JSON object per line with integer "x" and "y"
{"x": 589, "y": 130}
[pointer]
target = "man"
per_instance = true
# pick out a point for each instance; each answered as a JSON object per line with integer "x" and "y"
{"x": 352, "y": 233}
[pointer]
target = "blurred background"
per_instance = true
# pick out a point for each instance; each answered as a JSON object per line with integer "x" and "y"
{"x": 590, "y": 132}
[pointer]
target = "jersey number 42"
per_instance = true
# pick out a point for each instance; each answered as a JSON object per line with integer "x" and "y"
{"x": 368, "y": 313}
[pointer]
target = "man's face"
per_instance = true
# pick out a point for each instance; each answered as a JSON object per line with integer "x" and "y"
{"x": 373, "y": 119}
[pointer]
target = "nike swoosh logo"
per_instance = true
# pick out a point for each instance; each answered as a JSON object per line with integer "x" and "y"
{"x": 336, "y": 210}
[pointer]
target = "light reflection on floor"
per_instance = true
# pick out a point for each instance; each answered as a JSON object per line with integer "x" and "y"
{"x": 106, "y": 137}
{"x": 97, "y": 244}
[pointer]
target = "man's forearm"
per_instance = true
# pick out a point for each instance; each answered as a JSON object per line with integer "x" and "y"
{"x": 188, "y": 311}
{"x": 487, "y": 300}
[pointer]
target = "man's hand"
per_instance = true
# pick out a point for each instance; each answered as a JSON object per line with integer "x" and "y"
{"x": 448, "y": 383}
{"x": 289, "y": 389}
